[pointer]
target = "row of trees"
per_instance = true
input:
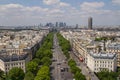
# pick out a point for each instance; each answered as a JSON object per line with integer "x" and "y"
{"x": 38, "y": 68}
{"x": 75, "y": 70}
{"x": 106, "y": 75}
{"x": 65, "y": 45}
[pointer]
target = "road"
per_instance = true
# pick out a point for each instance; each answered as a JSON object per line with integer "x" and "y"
{"x": 59, "y": 68}
{"x": 85, "y": 70}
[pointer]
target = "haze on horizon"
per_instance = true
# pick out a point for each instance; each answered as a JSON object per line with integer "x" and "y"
{"x": 31, "y": 12}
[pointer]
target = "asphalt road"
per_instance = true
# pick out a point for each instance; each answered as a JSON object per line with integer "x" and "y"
{"x": 85, "y": 70}
{"x": 59, "y": 68}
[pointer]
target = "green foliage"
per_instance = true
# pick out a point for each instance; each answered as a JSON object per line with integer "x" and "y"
{"x": 105, "y": 75}
{"x": 29, "y": 76}
{"x": 46, "y": 61}
{"x": 42, "y": 77}
{"x": 43, "y": 73}
{"x": 65, "y": 45}
{"x": 2, "y": 75}
{"x": 75, "y": 70}
{"x": 32, "y": 67}
{"x": 43, "y": 57}
{"x": 71, "y": 63}
{"x": 102, "y": 38}
{"x": 16, "y": 74}
{"x": 36, "y": 60}
{"x": 79, "y": 76}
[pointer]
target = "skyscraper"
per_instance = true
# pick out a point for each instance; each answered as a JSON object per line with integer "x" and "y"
{"x": 57, "y": 24}
{"x": 90, "y": 23}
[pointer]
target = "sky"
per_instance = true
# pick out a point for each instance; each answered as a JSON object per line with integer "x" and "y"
{"x": 33, "y": 12}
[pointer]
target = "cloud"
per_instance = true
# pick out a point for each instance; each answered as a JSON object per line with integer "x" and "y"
{"x": 91, "y": 5}
{"x": 90, "y": 8}
{"x": 17, "y": 14}
{"x": 56, "y": 11}
{"x": 51, "y": 2}
{"x": 117, "y": 2}
{"x": 63, "y": 4}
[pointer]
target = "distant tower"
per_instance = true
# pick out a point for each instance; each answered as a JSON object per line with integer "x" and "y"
{"x": 90, "y": 23}
{"x": 56, "y": 24}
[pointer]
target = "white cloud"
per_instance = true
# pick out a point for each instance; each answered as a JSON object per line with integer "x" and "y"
{"x": 12, "y": 6}
{"x": 17, "y": 14}
{"x": 56, "y": 11}
{"x": 91, "y": 5}
{"x": 63, "y": 4}
{"x": 116, "y": 2}
{"x": 93, "y": 8}
{"x": 51, "y": 2}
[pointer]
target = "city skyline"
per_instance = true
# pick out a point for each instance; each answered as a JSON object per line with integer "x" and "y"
{"x": 24, "y": 12}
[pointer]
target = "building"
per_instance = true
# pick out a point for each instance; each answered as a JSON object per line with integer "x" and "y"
{"x": 16, "y": 52}
{"x": 8, "y": 62}
{"x": 90, "y": 23}
{"x": 90, "y": 51}
{"x": 102, "y": 61}
{"x": 114, "y": 48}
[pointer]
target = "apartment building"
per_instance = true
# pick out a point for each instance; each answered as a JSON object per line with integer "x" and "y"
{"x": 102, "y": 61}
{"x": 114, "y": 48}
{"x": 83, "y": 42}
{"x": 18, "y": 48}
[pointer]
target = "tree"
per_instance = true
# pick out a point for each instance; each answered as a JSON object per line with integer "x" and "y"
{"x": 32, "y": 67}
{"x": 36, "y": 60}
{"x": 2, "y": 76}
{"x": 16, "y": 74}
{"x": 71, "y": 62}
{"x": 48, "y": 53}
{"x": 29, "y": 76}
{"x": 46, "y": 61}
{"x": 106, "y": 75}
{"x": 42, "y": 77}
{"x": 79, "y": 76}
{"x": 43, "y": 73}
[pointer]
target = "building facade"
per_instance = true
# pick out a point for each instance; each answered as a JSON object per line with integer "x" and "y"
{"x": 115, "y": 48}
{"x": 21, "y": 49}
{"x": 102, "y": 61}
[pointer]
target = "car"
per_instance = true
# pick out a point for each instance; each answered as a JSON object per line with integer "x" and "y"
{"x": 54, "y": 60}
{"x": 58, "y": 63}
{"x": 62, "y": 69}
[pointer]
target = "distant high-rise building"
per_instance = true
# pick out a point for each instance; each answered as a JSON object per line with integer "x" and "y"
{"x": 57, "y": 24}
{"x": 90, "y": 22}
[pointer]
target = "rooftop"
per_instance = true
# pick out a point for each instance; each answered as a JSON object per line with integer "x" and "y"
{"x": 103, "y": 55}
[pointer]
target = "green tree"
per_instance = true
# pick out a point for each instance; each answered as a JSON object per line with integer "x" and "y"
{"x": 71, "y": 62}
{"x": 79, "y": 76}
{"x": 32, "y": 67}
{"x": 36, "y": 60}
{"x": 46, "y": 61}
{"x": 16, "y": 74}
{"x": 43, "y": 73}
{"x": 2, "y": 75}
{"x": 106, "y": 75}
{"x": 42, "y": 77}
{"x": 48, "y": 53}
{"x": 29, "y": 76}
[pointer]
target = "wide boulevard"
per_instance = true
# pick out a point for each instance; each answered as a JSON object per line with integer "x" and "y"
{"x": 59, "y": 68}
